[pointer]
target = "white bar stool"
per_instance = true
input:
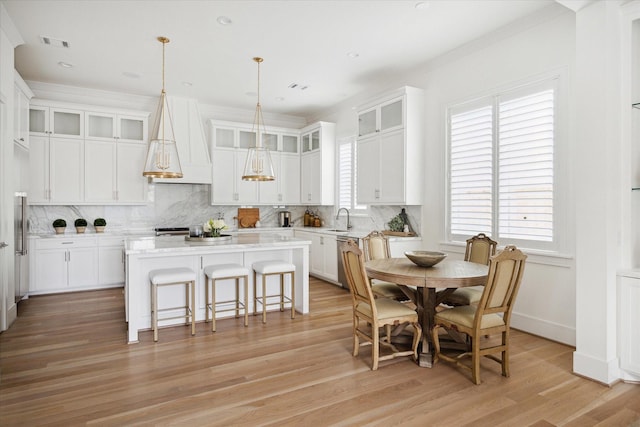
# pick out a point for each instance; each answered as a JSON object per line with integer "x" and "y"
{"x": 214, "y": 273}
{"x": 269, "y": 268}
{"x": 169, "y": 277}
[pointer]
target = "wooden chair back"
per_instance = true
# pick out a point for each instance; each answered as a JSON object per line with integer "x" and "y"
{"x": 503, "y": 282}
{"x": 356, "y": 275}
{"x": 480, "y": 248}
{"x": 376, "y": 246}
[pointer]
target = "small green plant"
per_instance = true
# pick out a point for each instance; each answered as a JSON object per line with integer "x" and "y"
{"x": 99, "y": 222}
{"x": 396, "y": 224}
{"x": 80, "y": 222}
{"x": 59, "y": 223}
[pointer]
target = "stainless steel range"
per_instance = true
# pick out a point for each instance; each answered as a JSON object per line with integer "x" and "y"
{"x": 172, "y": 231}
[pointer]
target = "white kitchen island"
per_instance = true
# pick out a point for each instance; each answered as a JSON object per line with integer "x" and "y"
{"x": 149, "y": 253}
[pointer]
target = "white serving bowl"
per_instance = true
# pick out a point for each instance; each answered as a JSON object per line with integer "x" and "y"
{"x": 425, "y": 258}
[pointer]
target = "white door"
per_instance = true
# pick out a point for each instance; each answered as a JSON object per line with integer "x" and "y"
{"x": 131, "y": 186}
{"x": 100, "y": 171}
{"x": 66, "y": 163}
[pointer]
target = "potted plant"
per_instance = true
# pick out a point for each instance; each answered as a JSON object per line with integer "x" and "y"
{"x": 81, "y": 225}
{"x": 99, "y": 224}
{"x": 59, "y": 225}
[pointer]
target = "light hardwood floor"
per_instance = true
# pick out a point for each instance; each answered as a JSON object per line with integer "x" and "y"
{"x": 65, "y": 362}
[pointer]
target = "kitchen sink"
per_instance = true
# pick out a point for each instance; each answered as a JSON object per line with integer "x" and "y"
{"x": 339, "y": 231}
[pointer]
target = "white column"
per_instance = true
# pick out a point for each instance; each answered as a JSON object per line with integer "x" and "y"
{"x": 597, "y": 145}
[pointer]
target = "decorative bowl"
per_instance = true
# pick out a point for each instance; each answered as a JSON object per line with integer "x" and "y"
{"x": 425, "y": 258}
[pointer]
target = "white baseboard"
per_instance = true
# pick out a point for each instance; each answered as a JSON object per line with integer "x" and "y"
{"x": 602, "y": 371}
{"x": 544, "y": 328}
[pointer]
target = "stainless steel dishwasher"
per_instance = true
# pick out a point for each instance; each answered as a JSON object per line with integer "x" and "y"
{"x": 342, "y": 277}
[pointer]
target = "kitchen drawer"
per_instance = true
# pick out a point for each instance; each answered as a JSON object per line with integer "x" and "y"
{"x": 111, "y": 241}
{"x": 64, "y": 242}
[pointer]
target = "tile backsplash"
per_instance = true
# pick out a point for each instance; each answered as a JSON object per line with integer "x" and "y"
{"x": 175, "y": 205}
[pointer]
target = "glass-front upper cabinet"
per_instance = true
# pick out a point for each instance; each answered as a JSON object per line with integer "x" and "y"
{"x": 290, "y": 143}
{"x": 53, "y": 121}
{"x": 381, "y": 118}
{"x": 223, "y": 138}
{"x": 270, "y": 141}
{"x": 246, "y": 139}
{"x": 311, "y": 141}
{"x": 367, "y": 122}
{"x": 108, "y": 126}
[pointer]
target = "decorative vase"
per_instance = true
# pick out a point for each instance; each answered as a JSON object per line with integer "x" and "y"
{"x": 59, "y": 230}
{"x": 80, "y": 230}
{"x": 99, "y": 228}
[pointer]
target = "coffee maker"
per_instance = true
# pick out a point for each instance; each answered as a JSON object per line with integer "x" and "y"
{"x": 284, "y": 219}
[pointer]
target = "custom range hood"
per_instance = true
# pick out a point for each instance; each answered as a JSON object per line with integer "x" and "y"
{"x": 190, "y": 142}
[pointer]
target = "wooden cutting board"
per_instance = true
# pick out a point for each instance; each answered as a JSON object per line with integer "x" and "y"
{"x": 247, "y": 217}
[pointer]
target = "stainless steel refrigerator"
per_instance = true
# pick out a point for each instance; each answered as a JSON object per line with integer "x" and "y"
{"x": 21, "y": 274}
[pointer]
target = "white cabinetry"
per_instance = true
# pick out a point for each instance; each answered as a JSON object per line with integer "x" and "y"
{"x": 111, "y": 260}
{"x": 103, "y": 165}
{"x": 115, "y": 149}
{"x": 231, "y": 142}
{"x": 323, "y": 254}
{"x": 318, "y": 164}
{"x": 21, "y": 96}
{"x": 63, "y": 264}
{"x": 57, "y": 170}
{"x": 390, "y": 149}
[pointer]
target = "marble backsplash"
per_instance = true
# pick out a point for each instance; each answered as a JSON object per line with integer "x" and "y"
{"x": 176, "y": 205}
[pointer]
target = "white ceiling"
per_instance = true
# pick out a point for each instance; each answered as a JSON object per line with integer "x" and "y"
{"x": 303, "y": 42}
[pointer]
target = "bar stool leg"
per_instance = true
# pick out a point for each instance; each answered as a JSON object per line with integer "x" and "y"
{"x": 246, "y": 300}
{"x": 281, "y": 291}
{"x": 264, "y": 298}
{"x": 293, "y": 295}
{"x": 193, "y": 307}
{"x": 237, "y": 297}
{"x": 213, "y": 305}
{"x": 154, "y": 311}
{"x": 206, "y": 299}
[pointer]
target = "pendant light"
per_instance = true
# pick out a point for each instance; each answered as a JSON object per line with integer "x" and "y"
{"x": 162, "y": 156}
{"x": 258, "y": 166}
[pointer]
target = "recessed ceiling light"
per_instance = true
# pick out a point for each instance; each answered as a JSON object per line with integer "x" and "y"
{"x": 65, "y": 64}
{"x": 280, "y": 98}
{"x": 252, "y": 94}
{"x": 131, "y": 74}
{"x": 353, "y": 55}
{"x": 224, "y": 20}
{"x": 422, "y": 5}
{"x": 187, "y": 84}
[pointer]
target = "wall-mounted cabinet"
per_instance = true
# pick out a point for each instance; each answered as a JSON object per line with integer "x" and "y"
{"x": 57, "y": 170}
{"x": 56, "y": 122}
{"x": 21, "y": 98}
{"x": 391, "y": 148}
{"x": 110, "y": 126}
{"x": 85, "y": 156}
{"x": 318, "y": 164}
{"x": 230, "y": 143}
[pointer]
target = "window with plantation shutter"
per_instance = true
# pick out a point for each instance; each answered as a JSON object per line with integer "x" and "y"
{"x": 347, "y": 173}
{"x": 501, "y": 166}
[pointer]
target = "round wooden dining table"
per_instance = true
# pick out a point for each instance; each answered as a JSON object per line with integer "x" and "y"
{"x": 448, "y": 275}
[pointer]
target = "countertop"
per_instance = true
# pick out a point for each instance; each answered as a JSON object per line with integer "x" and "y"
{"x": 241, "y": 241}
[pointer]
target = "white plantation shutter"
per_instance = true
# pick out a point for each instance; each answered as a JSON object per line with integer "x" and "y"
{"x": 345, "y": 174}
{"x": 525, "y": 163}
{"x": 471, "y": 171}
{"x": 501, "y": 166}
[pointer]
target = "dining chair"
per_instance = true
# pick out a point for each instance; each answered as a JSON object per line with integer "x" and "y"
{"x": 479, "y": 249}
{"x": 375, "y": 245}
{"x": 490, "y": 316}
{"x": 370, "y": 314}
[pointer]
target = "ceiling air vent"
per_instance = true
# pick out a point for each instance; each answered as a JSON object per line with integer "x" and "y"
{"x": 50, "y": 41}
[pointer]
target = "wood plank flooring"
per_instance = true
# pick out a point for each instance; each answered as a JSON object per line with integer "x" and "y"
{"x": 66, "y": 362}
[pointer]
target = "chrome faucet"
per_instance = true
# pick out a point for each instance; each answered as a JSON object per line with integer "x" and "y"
{"x": 349, "y": 226}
